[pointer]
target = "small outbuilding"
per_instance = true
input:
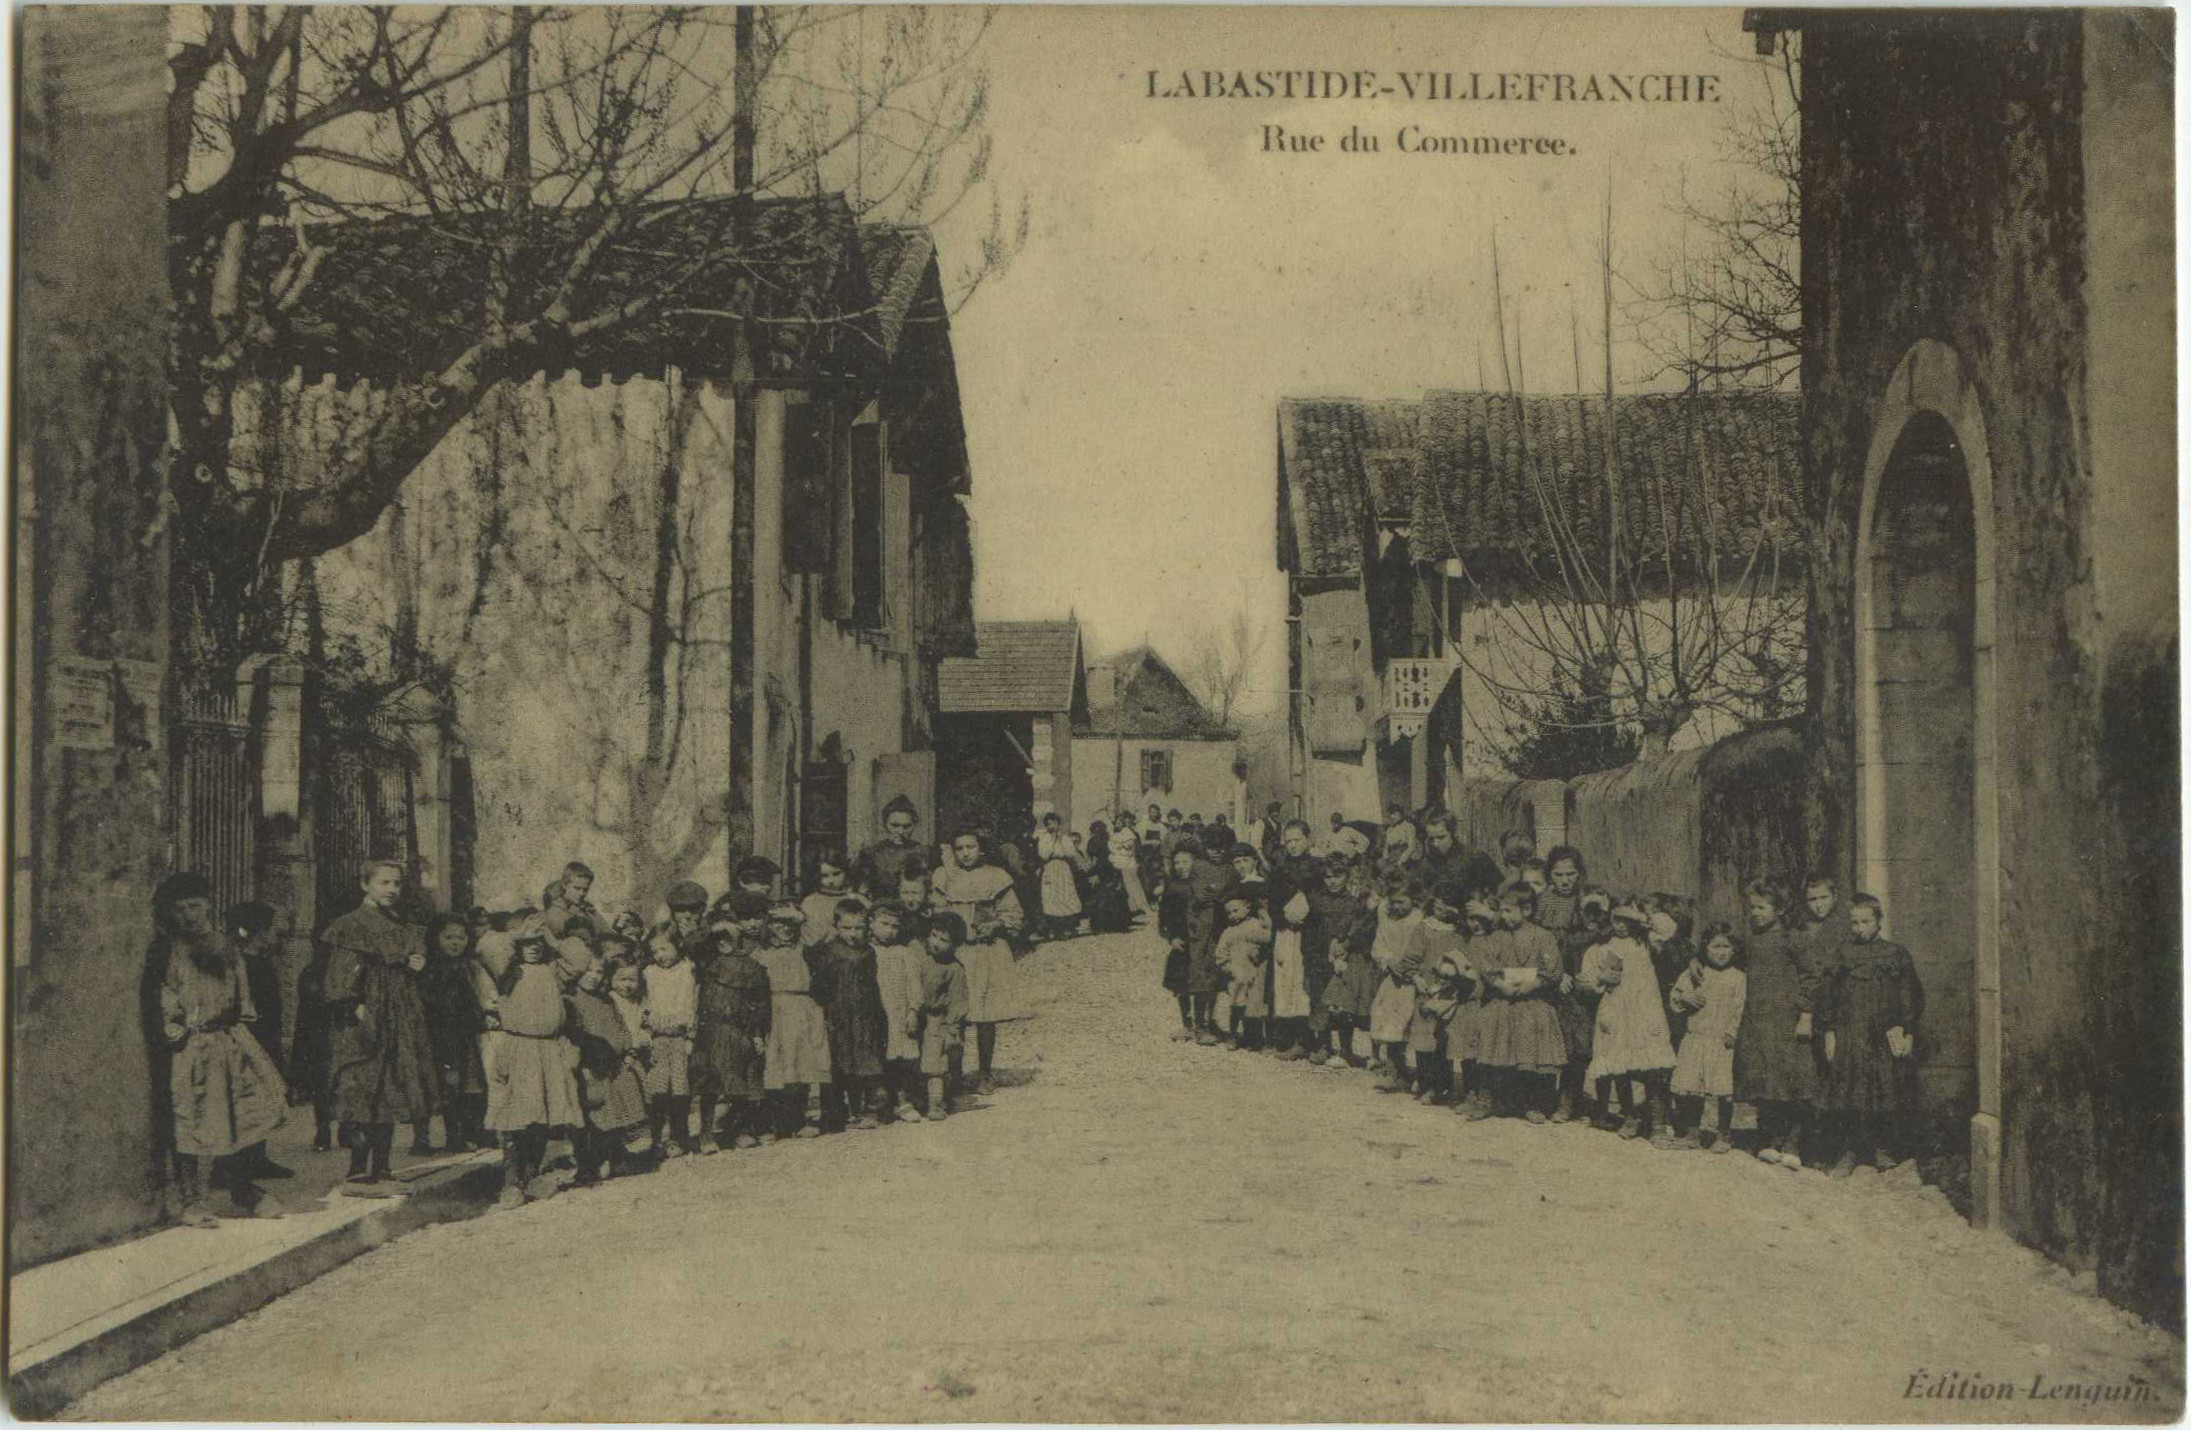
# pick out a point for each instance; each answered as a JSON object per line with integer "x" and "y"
{"x": 1005, "y": 721}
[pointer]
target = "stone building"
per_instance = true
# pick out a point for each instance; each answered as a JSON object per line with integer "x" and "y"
{"x": 1148, "y": 740}
{"x": 1989, "y": 426}
{"x": 1004, "y": 746}
{"x": 571, "y": 564}
{"x": 1423, "y": 589}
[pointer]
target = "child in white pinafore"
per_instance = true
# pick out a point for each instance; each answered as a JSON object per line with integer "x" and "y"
{"x": 1711, "y": 990}
{"x": 1631, "y": 1043}
{"x": 1395, "y": 952}
{"x": 1243, "y": 951}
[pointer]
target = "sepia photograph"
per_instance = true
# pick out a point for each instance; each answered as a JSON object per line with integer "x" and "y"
{"x": 1441, "y": 714}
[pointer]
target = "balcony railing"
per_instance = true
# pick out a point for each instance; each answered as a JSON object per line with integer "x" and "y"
{"x": 1412, "y": 687}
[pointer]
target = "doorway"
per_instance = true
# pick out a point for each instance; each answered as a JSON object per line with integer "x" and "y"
{"x": 1927, "y": 819}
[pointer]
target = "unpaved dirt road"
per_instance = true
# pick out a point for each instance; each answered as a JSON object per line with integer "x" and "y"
{"x": 1145, "y": 1230}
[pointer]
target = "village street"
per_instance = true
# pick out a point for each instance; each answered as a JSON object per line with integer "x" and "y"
{"x": 1138, "y": 1230}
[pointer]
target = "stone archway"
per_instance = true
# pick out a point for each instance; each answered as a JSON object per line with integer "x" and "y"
{"x": 1928, "y": 818}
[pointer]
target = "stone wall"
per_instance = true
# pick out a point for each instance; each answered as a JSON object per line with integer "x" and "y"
{"x": 525, "y": 551}
{"x": 1966, "y": 183}
{"x": 1700, "y": 822}
{"x": 88, "y": 1119}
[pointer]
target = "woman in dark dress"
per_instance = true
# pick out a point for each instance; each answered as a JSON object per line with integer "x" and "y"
{"x": 1108, "y": 909}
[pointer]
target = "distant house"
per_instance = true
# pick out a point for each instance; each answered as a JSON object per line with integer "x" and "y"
{"x": 1004, "y": 733}
{"x": 1148, "y": 740}
{"x": 1405, "y": 525}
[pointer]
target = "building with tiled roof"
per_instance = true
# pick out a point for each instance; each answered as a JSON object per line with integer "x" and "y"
{"x": 1469, "y": 474}
{"x": 1404, "y": 524}
{"x": 528, "y": 551}
{"x": 1017, "y": 665}
{"x": 1005, "y": 722}
{"x": 1149, "y": 739}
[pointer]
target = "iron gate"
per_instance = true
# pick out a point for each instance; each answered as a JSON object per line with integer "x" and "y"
{"x": 215, "y": 806}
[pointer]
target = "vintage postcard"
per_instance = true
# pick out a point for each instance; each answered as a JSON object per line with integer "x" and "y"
{"x": 1077, "y": 714}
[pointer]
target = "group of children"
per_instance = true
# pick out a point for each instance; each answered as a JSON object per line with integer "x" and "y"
{"x": 1543, "y": 997}
{"x": 712, "y": 1029}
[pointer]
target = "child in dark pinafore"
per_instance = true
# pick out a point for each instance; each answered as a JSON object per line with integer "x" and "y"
{"x": 1776, "y": 1063}
{"x": 612, "y": 1094}
{"x": 942, "y": 1009}
{"x": 1519, "y": 1043}
{"x": 730, "y": 1051}
{"x": 454, "y": 1022}
{"x": 1341, "y": 928}
{"x": 845, "y": 984}
{"x": 1871, "y": 1002}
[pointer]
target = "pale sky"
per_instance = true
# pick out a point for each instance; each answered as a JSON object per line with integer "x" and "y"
{"x": 1121, "y": 378}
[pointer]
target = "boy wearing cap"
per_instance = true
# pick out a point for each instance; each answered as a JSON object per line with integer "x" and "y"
{"x": 756, "y": 875}
{"x": 688, "y": 904}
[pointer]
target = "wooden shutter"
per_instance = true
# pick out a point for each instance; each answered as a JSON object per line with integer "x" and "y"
{"x": 867, "y": 514}
{"x": 810, "y": 489}
{"x": 1335, "y": 672}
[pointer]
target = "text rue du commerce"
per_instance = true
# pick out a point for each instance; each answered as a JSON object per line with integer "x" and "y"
{"x": 1414, "y": 139}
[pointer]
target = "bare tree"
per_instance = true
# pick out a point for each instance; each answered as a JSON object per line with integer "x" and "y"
{"x": 1631, "y": 607}
{"x": 1219, "y": 665}
{"x": 1728, "y": 312}
{"x": 550, "y": 148}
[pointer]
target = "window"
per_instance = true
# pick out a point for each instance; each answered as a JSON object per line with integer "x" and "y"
{"x": 1156, "y": 771}
{"x": 809, "y": 489}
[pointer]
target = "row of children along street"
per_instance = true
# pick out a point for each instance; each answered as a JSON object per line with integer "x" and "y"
{"x": 735, "y": 1022}
{"x": 1543, "y": 997}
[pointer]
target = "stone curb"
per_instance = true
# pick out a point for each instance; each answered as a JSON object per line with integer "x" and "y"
{"x": 40, "y": 1391}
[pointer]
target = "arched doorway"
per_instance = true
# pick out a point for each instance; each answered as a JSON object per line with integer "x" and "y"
{"x": 1927, "y": 816}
